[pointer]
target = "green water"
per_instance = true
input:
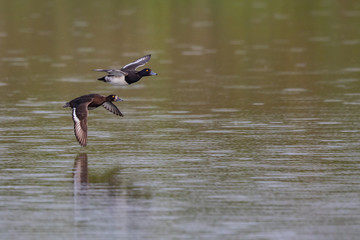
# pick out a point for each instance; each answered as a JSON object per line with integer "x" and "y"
{"x": 250, "y": 130}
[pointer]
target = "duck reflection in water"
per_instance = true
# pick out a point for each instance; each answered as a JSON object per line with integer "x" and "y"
{"x": 108, "y": 179}
{"x": 107, "y": 200}
{"x": 81, "y": 174}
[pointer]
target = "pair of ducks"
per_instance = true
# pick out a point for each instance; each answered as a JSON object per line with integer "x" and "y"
{"x": 80, "y": 105}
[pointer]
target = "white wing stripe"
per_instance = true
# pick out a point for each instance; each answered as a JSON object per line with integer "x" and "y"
{"x": 136, "y": 62}
{"x": 80, "y": 134}
{"x": 76, "y": 119}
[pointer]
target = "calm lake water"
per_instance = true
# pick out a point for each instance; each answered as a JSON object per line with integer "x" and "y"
{"x": 250, "y": 130}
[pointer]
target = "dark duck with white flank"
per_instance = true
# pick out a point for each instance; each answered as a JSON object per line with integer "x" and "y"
{"x": 80, "y": 107}
{"x": 127, "y": 75}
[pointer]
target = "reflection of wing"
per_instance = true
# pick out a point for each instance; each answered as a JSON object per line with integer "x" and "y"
{"x": 112, "y": 108}
{"x": 138, "y": 63}
{"x": 81, "y": 168}
{"x": 79, "y": 116}
{"x": 80, "y": 173}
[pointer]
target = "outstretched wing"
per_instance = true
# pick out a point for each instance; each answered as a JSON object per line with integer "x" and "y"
{"x": 114, "y": 72}
{"x": 79, "y": 116}
{"x": 138, "y": 63}
{"x": 112, "y": 108}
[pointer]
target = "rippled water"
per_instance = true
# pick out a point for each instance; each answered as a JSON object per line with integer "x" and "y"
{"x": 250, "y": 130}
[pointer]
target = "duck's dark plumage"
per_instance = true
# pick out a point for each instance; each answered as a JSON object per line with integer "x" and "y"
{"x": 127, "y": 74}
{"x": 80, "y": 107}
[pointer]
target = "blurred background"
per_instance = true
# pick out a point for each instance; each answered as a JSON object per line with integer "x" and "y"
{"x": 249, "y": 131}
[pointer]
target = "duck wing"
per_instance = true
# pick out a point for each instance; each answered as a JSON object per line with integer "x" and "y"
{"x": 138, "y": 63}
{"x": 112, "y": 108}
{"x": 112, "y": 72}
{"x": 79, "y": 116}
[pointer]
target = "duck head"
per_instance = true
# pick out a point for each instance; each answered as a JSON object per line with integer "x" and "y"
{"x": 147, "y": 72}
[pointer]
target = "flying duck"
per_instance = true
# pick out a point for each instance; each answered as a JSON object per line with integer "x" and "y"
{"x": 80, "y": 107}
{"x": 127, "y": 74}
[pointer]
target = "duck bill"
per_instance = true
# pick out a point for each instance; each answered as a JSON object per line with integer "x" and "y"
{"x": 119, "y": 99}
{"x": 153, "y": 73}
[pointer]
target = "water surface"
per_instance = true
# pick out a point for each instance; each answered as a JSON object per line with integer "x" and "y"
{"x": 250, "y": 130}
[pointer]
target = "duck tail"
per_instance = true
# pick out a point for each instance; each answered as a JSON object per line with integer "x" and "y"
{"x": 66, "y": 105}
{"x": 102, "y": 79}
